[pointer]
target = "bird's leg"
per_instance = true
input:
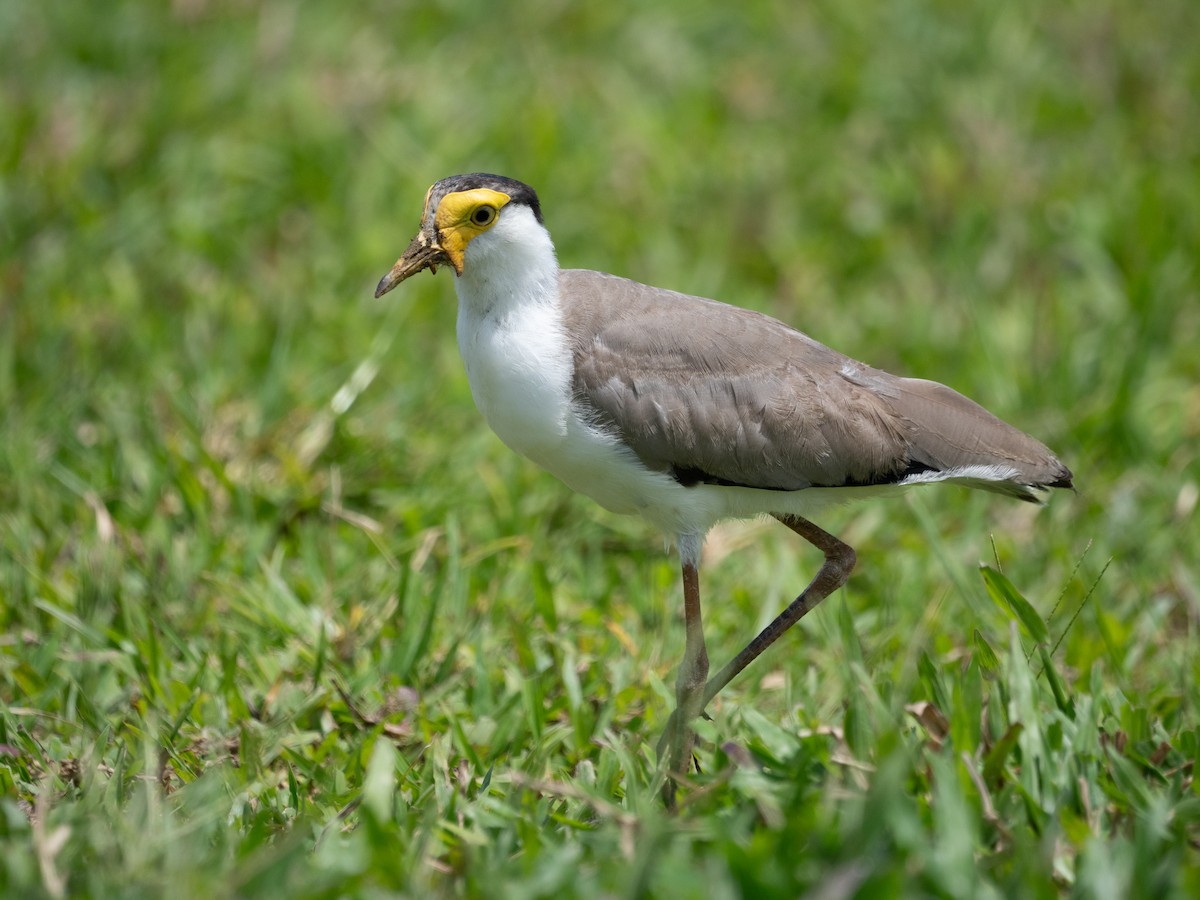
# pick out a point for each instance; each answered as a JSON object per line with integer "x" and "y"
{"x": 691, "y": 691}
{"x": 839, "y": 563}
{"x": 689, "y": 684}
{"x": 693, "y": 671}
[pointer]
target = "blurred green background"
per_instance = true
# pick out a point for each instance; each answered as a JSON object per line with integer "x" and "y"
{"x": 280, "y": 615}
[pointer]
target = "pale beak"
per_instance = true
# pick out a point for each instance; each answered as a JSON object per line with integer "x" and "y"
{"x": 423, "y": 253}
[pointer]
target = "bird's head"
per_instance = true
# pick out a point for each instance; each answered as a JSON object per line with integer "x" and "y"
{"x": 457, "y": 211}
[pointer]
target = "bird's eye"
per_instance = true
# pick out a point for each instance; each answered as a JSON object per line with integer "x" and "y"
{"x": 484, "y": 215}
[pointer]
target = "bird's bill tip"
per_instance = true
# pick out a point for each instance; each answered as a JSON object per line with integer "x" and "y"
{"x": 419, "y": 256}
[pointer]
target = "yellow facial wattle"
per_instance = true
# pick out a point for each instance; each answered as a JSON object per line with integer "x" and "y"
{"x": 463, "y": 216}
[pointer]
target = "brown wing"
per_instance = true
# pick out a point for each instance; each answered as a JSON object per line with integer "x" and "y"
{"x": 715, "y": 393}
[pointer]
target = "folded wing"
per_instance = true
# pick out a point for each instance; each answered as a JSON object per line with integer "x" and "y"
{"x": 717, "y": 394}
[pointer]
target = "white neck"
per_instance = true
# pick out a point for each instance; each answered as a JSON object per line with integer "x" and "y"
{"x": 511, "y": 335}
{"x": 508, "y": 267}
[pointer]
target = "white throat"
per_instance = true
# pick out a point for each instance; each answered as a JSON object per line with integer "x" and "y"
{"x": 511, "y": 334}
{"x": 508, "y": 268}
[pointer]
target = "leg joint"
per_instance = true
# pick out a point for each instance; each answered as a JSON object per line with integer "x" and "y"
{"x": 842, "y": 560}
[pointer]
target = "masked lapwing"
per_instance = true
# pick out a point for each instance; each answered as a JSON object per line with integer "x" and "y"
{"x": 687, "y": 411}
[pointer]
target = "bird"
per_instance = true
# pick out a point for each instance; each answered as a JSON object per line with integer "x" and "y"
{"x": 687, "y": 411}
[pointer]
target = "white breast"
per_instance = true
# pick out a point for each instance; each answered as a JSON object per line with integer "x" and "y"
{"x": 519, "y": 368}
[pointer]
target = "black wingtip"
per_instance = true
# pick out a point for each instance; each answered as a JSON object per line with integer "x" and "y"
{"x": 1065, "y": 480}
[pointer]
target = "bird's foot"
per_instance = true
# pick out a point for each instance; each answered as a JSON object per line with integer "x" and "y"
{"x": 675, "y": 753}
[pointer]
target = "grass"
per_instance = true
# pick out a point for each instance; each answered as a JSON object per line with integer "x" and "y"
{"x": 280, "y": 618}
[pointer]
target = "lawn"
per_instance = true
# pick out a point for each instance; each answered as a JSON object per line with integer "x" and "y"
{"x": 280, "y": 617}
